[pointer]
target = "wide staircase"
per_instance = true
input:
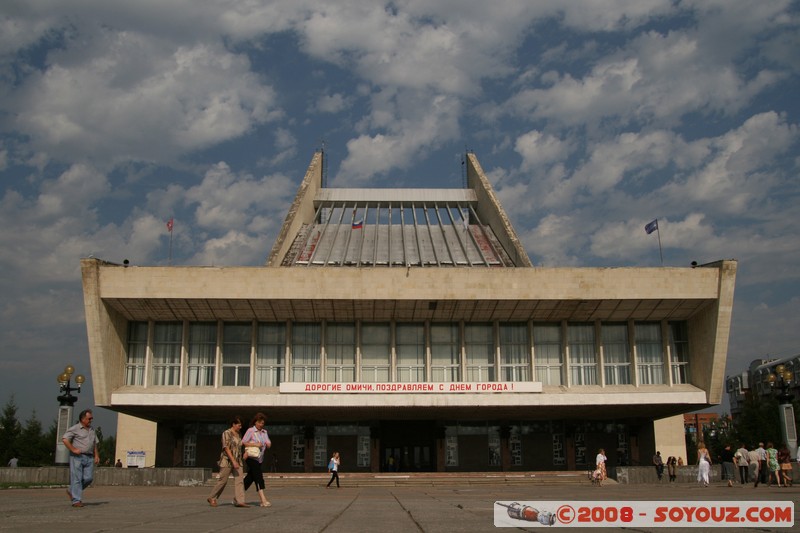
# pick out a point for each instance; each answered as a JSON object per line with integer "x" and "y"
{"x": 416, "y": 479}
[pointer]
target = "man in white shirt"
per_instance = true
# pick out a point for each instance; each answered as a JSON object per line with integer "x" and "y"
{"x": 762, "y": 462}
{"x": 740, "y": 459}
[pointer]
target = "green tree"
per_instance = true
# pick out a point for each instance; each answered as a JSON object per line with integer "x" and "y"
{"x": 32, "y": 447}
{"x": 9, "y": 431}
{"x": 50, "y": 442}
{"x": 759, "y": 421}
{"x": 107, "y": 449}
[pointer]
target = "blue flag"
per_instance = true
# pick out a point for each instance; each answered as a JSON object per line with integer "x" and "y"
{"x": 651, "y": 227}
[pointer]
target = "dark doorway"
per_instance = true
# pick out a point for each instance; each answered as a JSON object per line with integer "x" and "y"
{"x": 408, "y": 446}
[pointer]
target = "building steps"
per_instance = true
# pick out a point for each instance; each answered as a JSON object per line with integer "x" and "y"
{"x": 416, "y": 479}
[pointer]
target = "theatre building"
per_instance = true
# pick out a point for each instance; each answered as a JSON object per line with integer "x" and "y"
{"x": 408, "y": 330}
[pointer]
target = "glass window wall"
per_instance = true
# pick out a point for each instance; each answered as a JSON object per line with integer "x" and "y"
{"x": 479, "y": 348}
{"x": 582, "y": 354}
{"x": 236, "y": 349}
{"x": 202, "y": 354}
{"x": 270, "y": 354}
{"x": 340, "y": 350}
{"x": 376, "y": 352}
{"x": 306, "y": 347}
{"x": 445, "y": 353}
{"x": 167, "y": 353}
{"x": 137, "y": 353}
{"x": 515, "y": 355}
{"x": 616, "y": 354}
{"x": 649, "y": 353}
{"x": 547, "y": 353}
{"x": 410, "y": 352}
{"x": 679, "y": 352}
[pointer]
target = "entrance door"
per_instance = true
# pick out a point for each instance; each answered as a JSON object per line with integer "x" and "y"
{"x": 408, "y": 446}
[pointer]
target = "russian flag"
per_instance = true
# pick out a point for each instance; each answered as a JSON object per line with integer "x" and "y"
{"x": 357, "y": 224}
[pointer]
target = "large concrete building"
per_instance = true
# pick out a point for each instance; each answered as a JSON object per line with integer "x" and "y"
{"x": 408, "y": 330}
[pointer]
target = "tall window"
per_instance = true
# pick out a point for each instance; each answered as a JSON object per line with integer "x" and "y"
{"x": 167, "y": 353}
{"x": 237, "y": 341}
{"x": 202, "y": 354}
{"x": 137, "y": 353}
{"x": 340, "y": 348}
{"x": 479, "y": 348}
{"x": 410, "y": 349}
{"x": 515, "y": 355}
{"x": 616, "y": 354}
{"x": 305, "y": 351}
{"x": 582, "y": 354}
{"x": 547, "y": 353}
{"x": 270, "y": 354}
{"x": 649, "y": 353}
{"x": 376, "y": 352}
{"x": 445, "y": 352}
{"x": 679, "y": 349}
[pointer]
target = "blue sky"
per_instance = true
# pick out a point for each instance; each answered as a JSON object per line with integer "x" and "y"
{"x": 590, "y": 118}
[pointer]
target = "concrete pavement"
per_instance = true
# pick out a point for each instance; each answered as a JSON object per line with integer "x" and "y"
{"x": 424, "y": 508}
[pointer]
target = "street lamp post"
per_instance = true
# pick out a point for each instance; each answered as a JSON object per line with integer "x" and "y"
{"x": 65, "y": 403}
{"x": 783, "y": 378}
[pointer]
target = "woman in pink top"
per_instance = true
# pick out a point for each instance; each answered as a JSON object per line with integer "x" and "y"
{"x": 257, "y": 440}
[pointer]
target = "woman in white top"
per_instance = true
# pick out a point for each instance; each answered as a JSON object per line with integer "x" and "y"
{"x": 333, "y": 469}
{"x": 703, "y": 464}
{"x": 600, "y": 461}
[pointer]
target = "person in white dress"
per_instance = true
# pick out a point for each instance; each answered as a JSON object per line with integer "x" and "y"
{"x": 703, "y": 464}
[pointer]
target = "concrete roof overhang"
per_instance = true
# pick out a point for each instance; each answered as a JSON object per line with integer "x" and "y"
{"x": 592, "y": 403}
{"x": 374, "y": 294}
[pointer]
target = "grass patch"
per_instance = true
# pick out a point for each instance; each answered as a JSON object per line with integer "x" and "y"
{"x": 18, "y": 485}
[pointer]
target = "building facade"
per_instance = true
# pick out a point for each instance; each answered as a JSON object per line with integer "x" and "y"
{"x": 408, "y": 330}
{"x": 757, "y": 381}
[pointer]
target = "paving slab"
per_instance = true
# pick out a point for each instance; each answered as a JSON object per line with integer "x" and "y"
{"x": 427, "y": 509}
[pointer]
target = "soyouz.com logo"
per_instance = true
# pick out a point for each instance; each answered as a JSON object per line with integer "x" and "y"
{"x": 553, "y": 513}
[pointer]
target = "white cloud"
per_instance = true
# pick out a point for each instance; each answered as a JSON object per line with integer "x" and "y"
{"x": 738, "y": 170}
{"x": 126, "y": 96}
{"x": 285, "y": 145}
{"x": 554, "y": 241}
{"x": 225, "y": 200}
{"x": 539, "y": 150}
{"x": 427, "y": 122}
{"x": 626, "y": 240}
{"x": 655, "y": 77}
{"x": 235, "y": 248}
{"x": 332, "y": 103}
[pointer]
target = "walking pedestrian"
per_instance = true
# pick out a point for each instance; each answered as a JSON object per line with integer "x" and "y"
{"x": 81, "y": 441}
{"x": 256, "y": 441}
{"x": 741, "y": 462}
{"x": 785, "y": 464}
{"x": 703, "y": 464}
{"x": 762, "y": 463}
{"x": 754, "y": 463}
{"x": 772, "y": 465}
{"x": 727, "y": 464}
{"x": 230, "y": 463}
{"x": 333, "y": 469}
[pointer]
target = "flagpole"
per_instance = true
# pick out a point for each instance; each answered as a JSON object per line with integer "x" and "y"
{"x": 170, "y": 225}
{"x": 660, "y": 253}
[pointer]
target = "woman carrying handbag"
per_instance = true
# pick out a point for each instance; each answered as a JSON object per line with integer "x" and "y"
{"x": 230, "y": 462}
{"x": 256, "y": 441}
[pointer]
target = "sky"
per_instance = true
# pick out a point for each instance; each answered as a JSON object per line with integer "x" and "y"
{"x": 590, "y": 119}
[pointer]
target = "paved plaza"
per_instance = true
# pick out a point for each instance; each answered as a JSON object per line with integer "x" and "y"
{"x": 386, "y": 509}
